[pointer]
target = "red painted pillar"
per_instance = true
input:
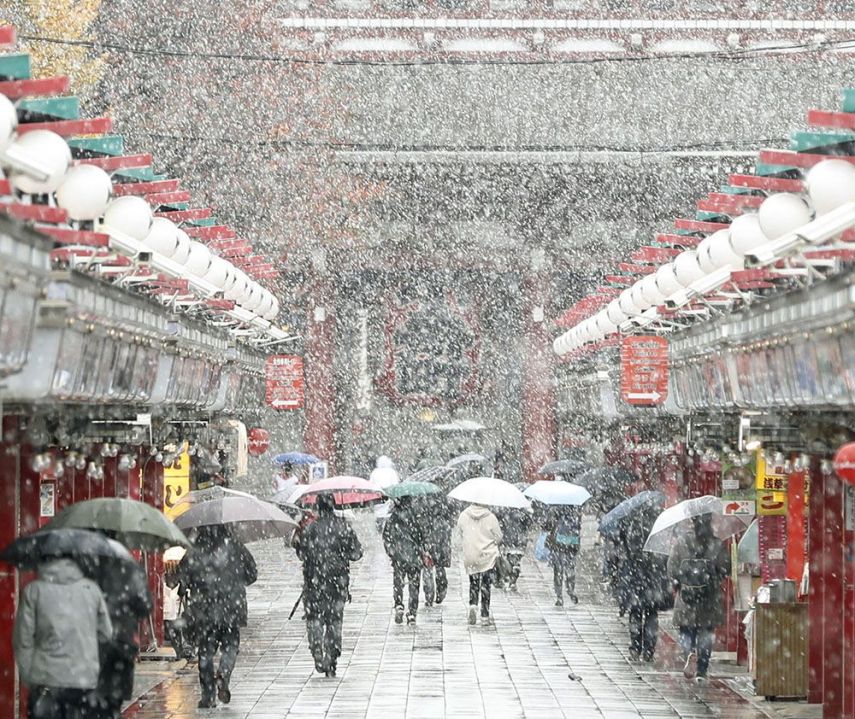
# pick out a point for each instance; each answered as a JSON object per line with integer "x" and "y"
{"x": 320, "y": 395}
{"x": 848, "y": 603}
{"x": 832, "y": 577}
{"x": 539, "y": 428}
{"x": 816, "y": 593}
{"x": 795, "y": 549}
{"x": 9, "y": 478}
{"x": 152, "y": 493}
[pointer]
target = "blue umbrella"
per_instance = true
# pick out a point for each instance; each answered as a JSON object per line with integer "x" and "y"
{"x": 295, "y": 458}
{"x": 610, "y": 524}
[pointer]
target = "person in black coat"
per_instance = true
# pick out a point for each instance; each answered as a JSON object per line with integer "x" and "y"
{"x": 406, "y": 542}
{"x": 440, "y": 519}
{"x": 644, "y": 586}
{"x": 215, "y": 573}
{"x": 327, "y": 546}
{"x": 128, "y": 599}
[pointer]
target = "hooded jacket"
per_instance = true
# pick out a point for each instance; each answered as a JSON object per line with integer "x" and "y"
{"x": 405, "y": 537}
{"x": 481, "y": 535}
{"x": 710, "y": 611}
{"x": 60, "y": 619}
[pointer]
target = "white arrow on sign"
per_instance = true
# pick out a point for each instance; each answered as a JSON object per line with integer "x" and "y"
{"x": 652, "y": 396}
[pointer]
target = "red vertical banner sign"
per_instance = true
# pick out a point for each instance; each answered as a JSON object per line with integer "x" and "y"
{"x": 152, "y": 493}
{"x": 539, "y": 428}
{"x": 284, "y": 381}
{"x": 644, "y": 370}
{"x": 796, "y": 510}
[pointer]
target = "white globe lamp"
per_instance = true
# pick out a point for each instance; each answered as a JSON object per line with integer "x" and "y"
{"x": 615, "y": 314}
{"x": 8, "y": 121}
{"x": 129, "y": 215}
{"x": 746, "y": 235}
{"x": 47, "y": 153}
{"x": 650, "y": 290}
{"x": 218, "y": 272}
{"x": 182, "y": 247}
{"x": 687, "y": 269}
{"x": 783, "y": 213}
{"x": 163, "y": 237}
{"x": 604, "y": 324}
{"x": 199, "y": 259}
{"x": 702, "y": 252}
{"x": 639, "y": 300}
{"x": 626, "y": 303}
{"x": 666, "y": 280}
{"x": 84, "y": 192}
{"x": 830, "y": 184}
{"x": 722, "y": 254}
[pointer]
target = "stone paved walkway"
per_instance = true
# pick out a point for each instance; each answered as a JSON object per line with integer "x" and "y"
{"x": 442, "y": 667}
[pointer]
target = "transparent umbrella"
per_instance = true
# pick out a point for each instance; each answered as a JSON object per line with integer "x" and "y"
{"x": 557, "y": 491}
{"x": 673, "y": 519}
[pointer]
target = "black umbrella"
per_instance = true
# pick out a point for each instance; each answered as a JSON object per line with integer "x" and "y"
{"x": 606, "y": 480}
{"x": 611, "y": 523}
{"x": 29, "y": 551}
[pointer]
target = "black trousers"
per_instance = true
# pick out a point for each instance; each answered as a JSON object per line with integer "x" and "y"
{"x": 564, "y": 571}
{"x": 413, "y": 578}
{"x": 643, "y": 631}
{"x": 324, "y": 626}
{"x": 479, "y": 585}
{"x": 213, "y": 638}
{"x": 58, "y": 703}
{"x": 441, "y": 582}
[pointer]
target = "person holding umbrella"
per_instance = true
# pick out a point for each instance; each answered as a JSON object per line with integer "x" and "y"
{"x": 439, "y": 528}
{"x": 215, "y": 572}
{"x": 516, "y": 525}
{"x": 698, "y": 564}
{"x": 481, "y": 535}
{"x": 60, "y": 620}
{"x": 564, "y": 528}
{"x": 406, "y": 543}
{"x": 327, "y": 547}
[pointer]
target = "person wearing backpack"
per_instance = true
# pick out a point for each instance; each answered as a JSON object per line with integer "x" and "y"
{"x": 215, "y": 572}
{"x": 698, "y": 564}
{"x": 562, "y": 539}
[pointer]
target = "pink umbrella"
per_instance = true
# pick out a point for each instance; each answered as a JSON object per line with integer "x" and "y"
{"x": 347, "y": 492}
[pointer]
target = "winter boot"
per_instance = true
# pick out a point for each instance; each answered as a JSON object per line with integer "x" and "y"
{"x": 223, "y": 692}
{"x": 399, "y": 615}
{"x": 473, "y": 614}
{"x": 411, "y": 619}
{"x": 690, "y": 670}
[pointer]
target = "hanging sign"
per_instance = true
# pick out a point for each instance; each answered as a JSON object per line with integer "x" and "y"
{"x": 771, "y": 488}
{"x": 259, "y": 441}
{"x": 844, "y": 462}
{"x": 284, "y": 377}
{"x": 644, "y": 370}
{"x": 176, "y": 484}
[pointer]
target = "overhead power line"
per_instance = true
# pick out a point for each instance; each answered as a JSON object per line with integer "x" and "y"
{"x": 730, "y": 54}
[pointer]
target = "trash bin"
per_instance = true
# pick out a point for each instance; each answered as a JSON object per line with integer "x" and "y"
{"x": 780, "y": 649}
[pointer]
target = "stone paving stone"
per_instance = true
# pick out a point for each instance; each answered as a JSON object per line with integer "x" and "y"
{"x": 442, "y": 667}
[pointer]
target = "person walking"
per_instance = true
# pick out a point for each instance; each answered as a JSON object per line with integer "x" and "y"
{"x": 644, "y": 586}
{"x": 440, "y": 524}
{"x": 327, "y": 547}
{"x": 61, "y": 618}
{"x": 128, "y": 599}
{"x": 698, "y": 564}
{"x": 481, "y": 536}
{"x": 405, "y": 541}
{"x": 516, "y": 525}
{"x": 215, "y": 573}
{"x": 562, "y": 540}
{"x": 383, "y": 475}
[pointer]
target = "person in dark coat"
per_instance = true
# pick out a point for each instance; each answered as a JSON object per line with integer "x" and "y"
{"x": 215, "y": 573}
{"x": 327, "y": 547}
{"x": 125, "y": 589}
{"x": 562, "y": 540}
{"x": 645, "y": 588}
{"x": 698, "y": 564}
{"x": 406, "y": 542}
{"x": 516, "y": 525}
{"x": 440, "y": 519}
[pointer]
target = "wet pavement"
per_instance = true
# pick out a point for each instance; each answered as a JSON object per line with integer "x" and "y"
{"x": 537, "y": 661}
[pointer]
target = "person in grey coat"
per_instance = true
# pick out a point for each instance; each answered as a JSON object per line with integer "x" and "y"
{"x": 698, "y": 564}
{"x": 61, "y": 618}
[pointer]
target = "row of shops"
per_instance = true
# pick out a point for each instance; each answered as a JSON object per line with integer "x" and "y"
{"x": 134, "y": 330}
{"x": 751, "y": 401}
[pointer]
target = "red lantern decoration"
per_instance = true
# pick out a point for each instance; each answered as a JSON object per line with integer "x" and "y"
{"x": 259, "y": 441}
{"x": 844, "y": 462}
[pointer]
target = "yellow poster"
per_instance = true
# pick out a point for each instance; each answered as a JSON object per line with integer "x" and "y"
{"x": 176, "y": 484}
{"x": 771, "y": 488}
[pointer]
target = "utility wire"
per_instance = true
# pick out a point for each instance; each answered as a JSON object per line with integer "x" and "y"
{"x": 734, "y": 54}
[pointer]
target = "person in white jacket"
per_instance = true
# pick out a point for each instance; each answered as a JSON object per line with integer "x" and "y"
{"x": 481, "y": 535}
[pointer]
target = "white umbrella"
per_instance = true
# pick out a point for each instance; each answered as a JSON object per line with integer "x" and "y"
{"x": 558, "y": 492}
{"x": 491, "y": 492}
{"x": 668, "y": 523}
